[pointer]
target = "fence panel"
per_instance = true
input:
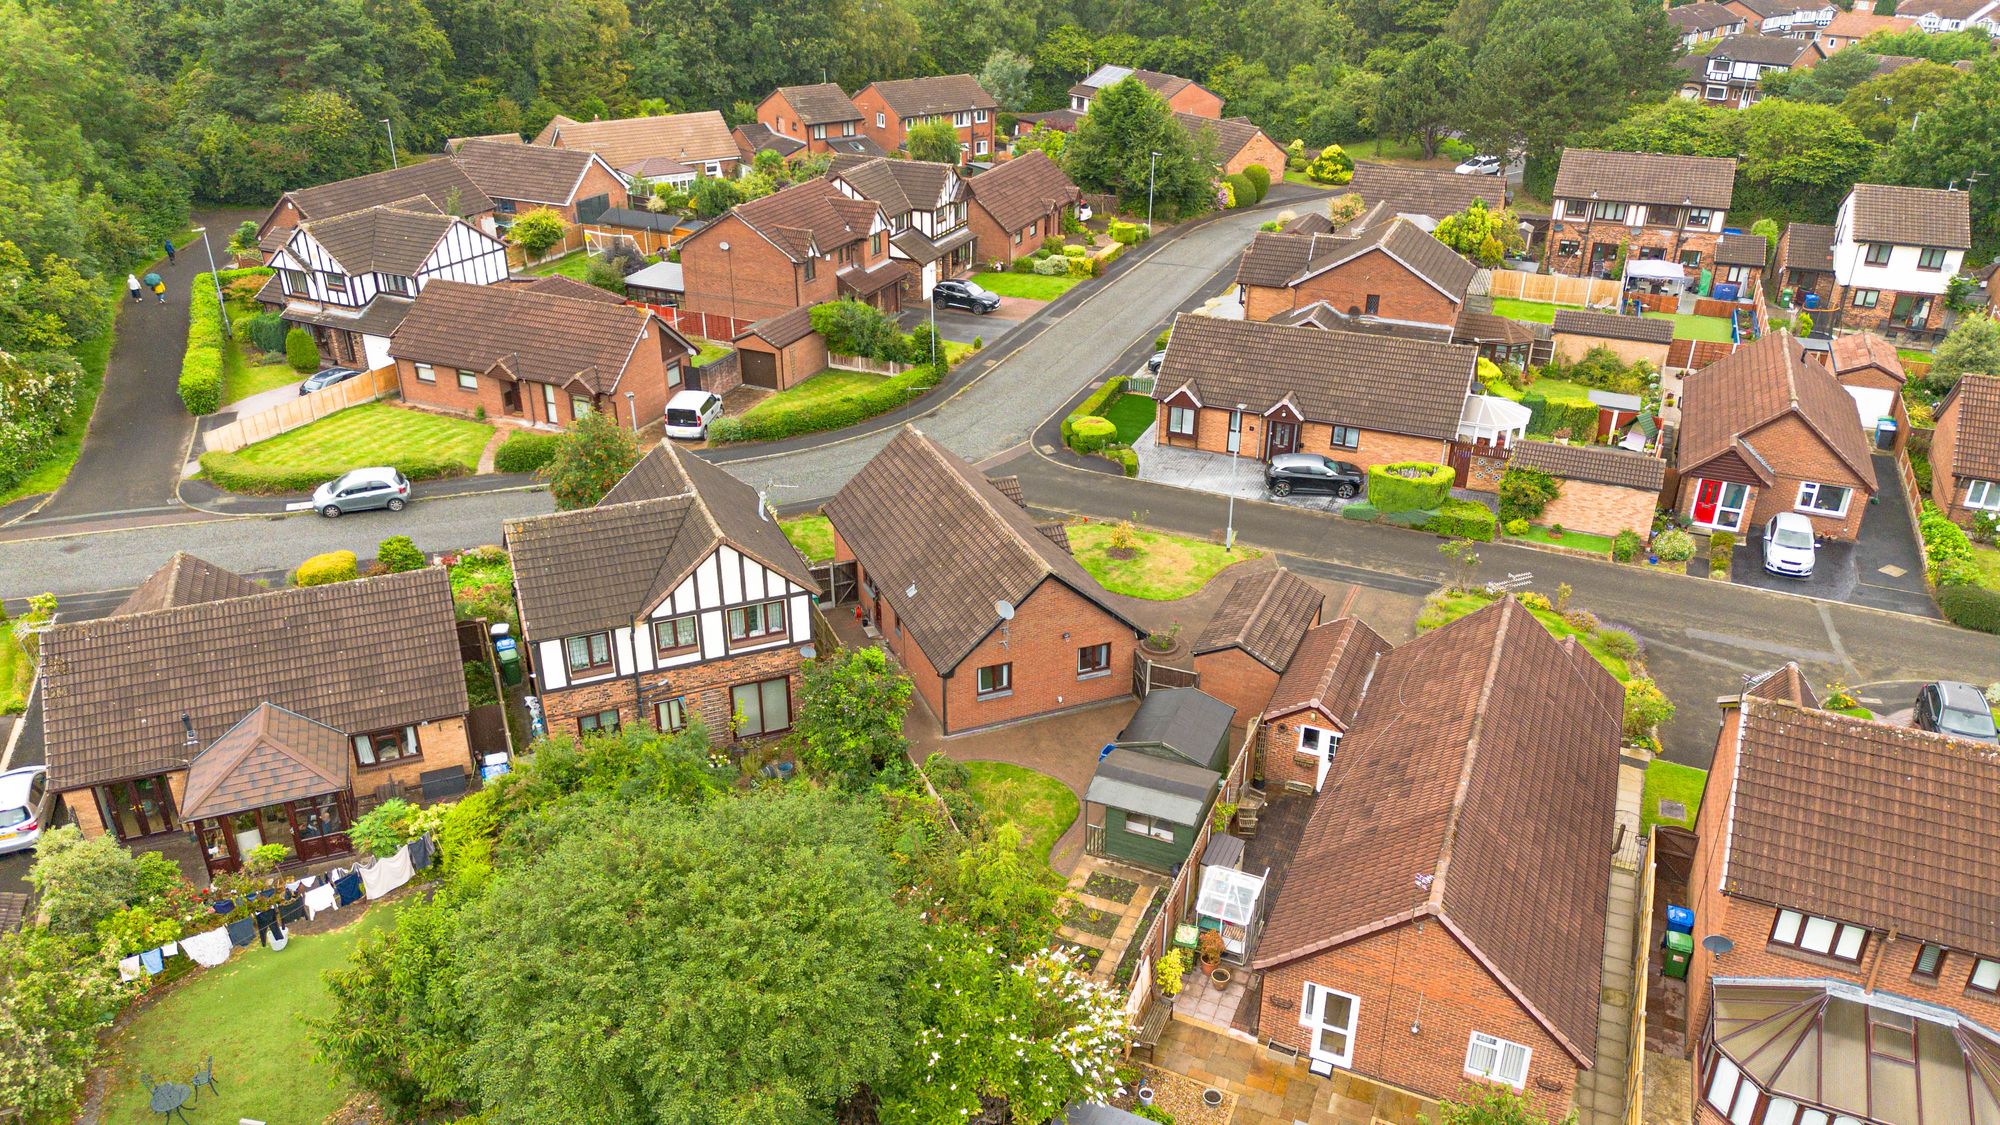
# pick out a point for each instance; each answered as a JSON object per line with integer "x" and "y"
{"x": 710, "y": 326}
{"x": 1635, "y": 1042}
{"x": 1554, "y": 288}
{"x": 865, "y": 365}
{"x": 296, "y": 412}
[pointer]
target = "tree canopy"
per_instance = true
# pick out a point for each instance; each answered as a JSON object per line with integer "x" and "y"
{"x": 1113, "y": 146}
{"x": 1949, "y": 144}
{"x": 1549, "y": 69}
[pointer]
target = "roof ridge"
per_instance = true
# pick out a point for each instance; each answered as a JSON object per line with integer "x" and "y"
{"x": 1435, "y": 897}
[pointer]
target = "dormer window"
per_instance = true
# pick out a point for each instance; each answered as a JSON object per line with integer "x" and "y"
{"x": 395, "y": 283}
{"x": 335, "y": 282}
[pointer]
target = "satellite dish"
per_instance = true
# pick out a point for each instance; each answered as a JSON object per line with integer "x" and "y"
{"x": 1004, "y": 609}
{"x": 1717, "y": 944}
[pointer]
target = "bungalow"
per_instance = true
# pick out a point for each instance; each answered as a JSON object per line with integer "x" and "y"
{"x": 1965, "y": 450}
{"x": 676, "y": 598}
{"x": 1315, "y": 703}
{"x": 754, "y": 137}
{"x": 1426, "y": 196}
{"x": 1730, "y": 73}
{"x": 251, "y": 717}
{"x": 1388, "y": 270}
{"x": 1016, "y": 205}
{"x": 576, "y": 184}
{"x": 1605, "y": 490}
{"x": 1670, "y": 208}
{"x": 809, "y": 116}
{"x": 888, "y": 109}
{"x": 1182, "y": 95}
{"x": 351, "y": 279}
{"x": 1575, "y": 332}
{"x": 1155, "y": 784}
{"x": 1234, "y": 143}
{"x": 1412, "y": 912}
{"x": 1805, "y": 266}
{"x": 808, "y": 244}
{"x": 926, "y": 205}
{"x": 1249, "y": 642}
{"x": 537, "y": 356}
{"x": 1764, "y": 431}
{"x": 431, "y": 185}
{"x": 986, "y": 611}
{"x": 1895, "y": 251}
{"x": 699, "y": 141}
{"x": 781, "y": 351}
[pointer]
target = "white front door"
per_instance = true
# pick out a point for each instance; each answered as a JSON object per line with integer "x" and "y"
{"x": 1235, "y": 430}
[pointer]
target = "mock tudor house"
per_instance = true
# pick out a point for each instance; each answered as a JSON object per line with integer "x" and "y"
{"x": 1385, "y": 269}
{"x": 206, "y": 704}
{"x": 802, "y": 246}
{"x": 574, "y": 183}
{"x": 1700, "y": 22}
{"x": 1965, "y": 450}
{"x": 1182, "y": 95}
{"x": 810, "y": 115}
{"x": 1404, "y": 945}
{"x": 540, "y": 355}
{"x": 988, "y": 613}
{"x": 1425, "y": 196}
{"x": 1605, "y": 490}
{"x": 890, "y": 107}
{"x": 1729, "y": 74}
{"x": 697, "y": 142}
{"x": 439, "y": 185}
{"x": 676, "y": 598}
{"x": 351, "y": 279}
{"x": 1805, "y": 264}
{"x": 926, "y": 205}
{"x": 1842, "y": 871}
{"x": 1764, "y": 431}
{"x": 1670, "y": 208}
{"x": 1249, "y": 643}
{"x": 1895, "y": 249}
{"x": 1314, "y": 703}
{"x": 1017, "y": 204}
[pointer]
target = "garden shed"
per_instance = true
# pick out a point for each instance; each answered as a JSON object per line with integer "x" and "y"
{"x": 781, "y": 351}
{"x": 1155, "y": 786}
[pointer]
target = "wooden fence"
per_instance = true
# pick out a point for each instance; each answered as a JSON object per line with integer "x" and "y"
{"x": 1696, "y": 354}
{"x": 1555, "y": 288}
{"x": 1642, "y": 951}
{"x": 296, "y": 412}
{"x": 865, "y": 365}
{"x": 710, "y": 326}
{"x": 572, "y": 241}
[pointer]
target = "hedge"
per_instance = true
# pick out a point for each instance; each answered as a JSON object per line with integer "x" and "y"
{"x": 784, "y": 422}
{"x": 1360, "y": 510}
{"x": 1464, "y": 519}
{"x": 1095, "y": 404}
{"x": 1090, "y": 434}
{"x": 1546, "y": 417}
{"x": 1127, "y": 458}
{"x": 1971, "y": 607}
{"x": 201, "y": 364}
{"x": 1243, "y": 192}
{"x": 323, "y": 570}
{"x": 1390, "y": 491}
{"x": 231, "y": 473}
{"x": 524, "y": 451}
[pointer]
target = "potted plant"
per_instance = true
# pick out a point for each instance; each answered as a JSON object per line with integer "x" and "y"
{"x": 1210, "y": 944}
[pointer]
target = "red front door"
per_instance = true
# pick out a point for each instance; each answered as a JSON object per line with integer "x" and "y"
{"x": 1705, "y": 496}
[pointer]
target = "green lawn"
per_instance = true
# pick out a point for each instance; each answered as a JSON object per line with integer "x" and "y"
{"x": 244, "y": 374}
{"x": 1446, "y": 608}
{"x": 1133, "y": 415}
{"x": 374, "y": 433}
{"x": 710, "y": 351}
{"x": 1673, "y": 782}
{"x": 1032, "y": 286}
{"x": 250, "y": 1014}
{"x": 1163, "y": 568}
{"x": 572, "y": 264}
{"x": 823, "y": 388}
{"x": 1579, "y": 540}
{"x": 1687, "y": 326}
{"x": 812, "y": 535}
{"x": 1988, "y": 559}
{"x": 1911, "y": 355}
{"x": 17, "y": 674}
{"x": 1039, "y": 805}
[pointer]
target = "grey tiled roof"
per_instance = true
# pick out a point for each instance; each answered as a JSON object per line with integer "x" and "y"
{"x": 535, "y": 173}
{"x": 186, "y": 580}
{"x": 1435, "y": 193}
{"x": 933, "y": 94}
{"x": 381, "y": 239}
{"x": 440, "y": 181}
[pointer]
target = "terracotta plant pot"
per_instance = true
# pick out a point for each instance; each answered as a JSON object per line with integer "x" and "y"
{"x": 1219, "y": 976}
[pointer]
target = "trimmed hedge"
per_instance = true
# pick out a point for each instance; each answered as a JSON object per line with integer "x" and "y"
{"x": 231, "y": 473}
{"x": 200, "y": 382}
{"x": 1260, "y": 178}
{"x": 1090, "y": 434}
{"x": 1525, "y": 492}
{"x": 1971, "y": 607}
{"x": 784, "y": 422}
{"x": 1360, "y": 510}
{"x": 1546, "y": 417}
{"x": 1464, "y": 519}
{"x": 1127, "y": 458}
{"x": 1243, "y": 193}
{"x": 324, "y": 570}
{"x": 1092, "y": 406}
{"x": 301, "y": 352}
{"x": 1391, "y": 491}
{"x": 525, "y": 451}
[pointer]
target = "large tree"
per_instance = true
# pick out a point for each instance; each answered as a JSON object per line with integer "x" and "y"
{"x": 1549, "y": 69}
{"x": 1113, "y": 146}
{"x": 936, "y": 141}
{"x": 1881, "y": 106}
{"x": 1678, "y": 126}
{"x": 1796, "y": 160}
{"x": 1824, "y": 84}
{"x": 1950, "y": 144}
{"x": 590, "y": 457}
{"x": 1971, "y": 348}
{"x": 1421, "y": 99}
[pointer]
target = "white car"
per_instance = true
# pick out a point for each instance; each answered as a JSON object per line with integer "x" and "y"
{"x": 1789, "y": 545}
{"x": 690, "y": 412}
{"x": 1481, "y": 166}
{"x": 25, "y": 802}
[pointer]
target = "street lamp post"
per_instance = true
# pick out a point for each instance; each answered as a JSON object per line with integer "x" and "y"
{"x": 1152, "y": 166}
{"x": 392, "y": 141}
{"x": 730, "y": 267}
{"x": 215, "y": 276}
{"x": 1229, "y": 535}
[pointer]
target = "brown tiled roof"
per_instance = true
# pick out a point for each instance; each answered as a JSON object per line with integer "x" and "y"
{"x": 1056, "y": 533}
{"x": 1017, "y": 192}
{"x": 1274, "y": 258}
{"x": 1408, "y": 243}
{"x": 1497, "y": 746}
{"x": 1806, "y": 246}
{"x": 533, "y": 173}
{"x": 938, "y": 93}
{"x": 1583, "y": 322}
{"x": 186, "y": 580}
{"x": 1912, "y": 216}
{"x": 861, "y": 144}
{"x": 440, "y": 181}
{"x": 857, "y": 282}
{"x": 1595, "y": 464}
{"x": 364, "y": 655}
{"x": 1742, "y": 250}
{"x": 1265, "y": 615}
{"x": 1702, "y": 17}
{"x": 1484, "y": 327}
{"x": 1312, "y": 222}
{"x": 919, "y": 518}
{"x": 1725, "y": 403}
{"x": 1866, "y": 822}
{"x": 787, "y": 327}
{"x": 1010, "y": 487}
{"x": 541, "y": 337}
{"x": 1643, "y": 177}
{"x": 381, "y": 239}
{"x": 1764, "y": 50}
{"x": 1376, "y": 382}
{"x": 1434, "y": 193}
{"x": 269, "y": 757}
{"x": 1062, "y": 120}
{"x": 900, "y": 186}
{"x": 1329, "y": 671}
{"x": 1785, "y": 682}
{"x": 1857, "y": 24}
{"x": 1857, "y": 350}
{"x": 608, "y": 566}
{"x": 808, "y": 215}
{"x": 752, "y": 138}
{"x": 1232, "y": 134}
{"x": 452, "y": 144}
{"x": 821, "y": 103}
{"x": 687, "y": 137}
{"x": 556, "y": 285}
{"x": 1976, "y": 400}
{"x": 1165, "y": 85}
{"x": 380, "y": 317}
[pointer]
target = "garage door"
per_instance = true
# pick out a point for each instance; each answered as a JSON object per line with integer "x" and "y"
{"x": 760, "y": 369}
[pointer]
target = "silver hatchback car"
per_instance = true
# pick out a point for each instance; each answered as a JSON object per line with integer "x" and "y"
{"x": 361, "y": 489}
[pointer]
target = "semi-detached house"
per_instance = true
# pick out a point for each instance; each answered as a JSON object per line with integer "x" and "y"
{"x": 811, "y": 115}
{"x": 795, "y": 248}
{"x": 1182, "y": 95}
{"x": 889, "y": 108}
{"x": 575, "y": 183}
{"x": 1965, "y": 450}
{"x": 1730, "y": 73}
{"x": 1663, "y": 208}
{"x": 442, "y": 186}
{"x": 1895, "y": 251}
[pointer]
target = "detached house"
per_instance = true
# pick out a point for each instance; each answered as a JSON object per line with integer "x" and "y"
{"x": 439, "y": 185}
{"x": 1182, "y": 95}
{"x": 926, "y": 205}
{"x": 1895, "y": 250}
{"x": 1965, "y": 450}
{"x": 538, "y": 355}
{"x": 1405, "y": 944}
{"x": 677, "y": 597}
{"x": 809, "y": 243}
{"x": 1426, "y": 196}
{"x": 1728, "y": 74}
{"x": 986, "y": 611}
{"x": 889, "y": 108}
{"x": 670, "y": 146}
{"x": 1669, "y": 208}
{"x": 1249, "y": 643}
{"x": 1234, "y": 143}
{"x": 1016, "y": 205}
{"x": 574, "y": 183}
{"x": 1764, "y": 431}
{"x": 1700, "y": 22}
{"x": 810, "y": 115}
{"x": 1387, "y": 270}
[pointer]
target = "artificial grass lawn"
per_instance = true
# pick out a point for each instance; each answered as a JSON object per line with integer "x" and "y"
{"x": 1166, "y": 566}
{"x": 250, "y": 1014}
{"x": 1673, "y": 782}
{"x": 374, "y": 433}
{"x": 1580, "y": 540}
{"x": 17, "y": 674}
{"x": 1039, "y": 805}
{"x": 1450, "y": 607}
{"x": 1687, "y": 326}
{"x": 823, "y": 388}
{"x": 573, "y": 264}
{"x": 812, "y": 535}
{"x": 1133, "y": 415}
{"x": 1032, "y": 286}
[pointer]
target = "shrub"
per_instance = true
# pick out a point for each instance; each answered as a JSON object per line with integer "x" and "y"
{"x": 1525, "y": 492}
{"x": 1517, "y": 526}
{"x": 326, "y": 569}
{"x": 1361, "y": 510}
{"x": 1055, "y": 265}
{"x": 1083, "y": 266}
{"x": 1089, "y": 434}
{"x": 1095, "y": 403}
{"x": 1153, "y": 1113}
{"x": 1971, "y": 607}
{"x": 1625, "y": 546}
{"x": 769, "y": 425}
{"x": 1160, "y": 341}
{"x": 854, "y": 328}
{"x": 1532, "y": 600}
{"x": 1673, "y": 545}
{"x": 1546, "y": 417}
{"x": 536, "y": 232}
{"x": 1241, "y": 192}
{"x": 383, "y": 829}
{"x": 1618, "y": 643}
{"x": 725, "y": 430}
{"x": 1409, "y": 486}
{"x": 37, "y": 395}
{"x": 525, "y": 451}
{"x": 1127, "y": 234}
{"x": 1646, "y": 707}
{"x": 1414, "y": 517}
{"x": 1958, "y": 572}
{"x": 1260, "y": 179}
{"x": 1582, "y": 620}
{"x": 399, "y": 553}
{"x": 1271, "y": 225}
{"x": 232, "y": 473}
{"x": 1944, "y": 542}
{"x": 605, "y": 273}
{"x": 1464, "y": 519}
{"x": 300, "y": 351}
{"x": 1331, "y": 166}
{"x": 267, "y": 331}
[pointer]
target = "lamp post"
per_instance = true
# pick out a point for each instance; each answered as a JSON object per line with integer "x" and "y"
{"x": 215, "y": 276}
{"x": 392, "y": 141}
{"x": 1152, "y": 166}
{"x": 1229, "y": 535}
{"x": 730, "y": 267}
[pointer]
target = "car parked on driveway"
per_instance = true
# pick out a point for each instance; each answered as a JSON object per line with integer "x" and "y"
{"x": 1790, "y": 545}
{"x": 1481, "y": 166}
{"x": 689, "y": 414}
{"x": 964, "y": 295}
{"x": 25, "y": 805}
{"x": 321, "y": 380}
{"x": 361, "y": 490}
{"x": 1153, "y": 363}
{"x": 1309, "y": 472}
{"x": 1951, "y": 707}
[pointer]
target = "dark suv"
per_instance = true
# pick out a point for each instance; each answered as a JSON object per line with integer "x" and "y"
{"x": 1309, "y": 472}
{"x": 1955, "y": 708}
{"x": 964, "y": 295}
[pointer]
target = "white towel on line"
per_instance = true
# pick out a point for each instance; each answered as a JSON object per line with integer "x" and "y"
{"x": 318, "y": 899}
{"x": 128, "y": 968}
{"x": 387, "y": 874}
{"x": 208, "y": 950}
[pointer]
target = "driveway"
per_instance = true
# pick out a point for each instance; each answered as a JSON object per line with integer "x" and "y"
{"x": 965, "y": 327}
{"x": 1217, "y": 473}
{"x": 1883, "y": 569}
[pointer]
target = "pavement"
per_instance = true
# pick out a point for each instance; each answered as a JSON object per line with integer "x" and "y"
{"x": 1883, "y": 567}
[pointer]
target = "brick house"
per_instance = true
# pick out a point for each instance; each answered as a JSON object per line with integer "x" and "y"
{"x": 781, "y": 351}
{"x": 1016, "y": 205}
{"x": 1249, "y": 642}
{"x": 441, "y": 184}
{"x": 698, "y": 141}
{"x": 753, "y": 137}
{"x": 1847, "y": 863}
{"x": 1425, "y": 193}
{"x": 1669, "y": 208}
{"x": 1740, "y": 260}
{"x": 1764, "y": 431}
{"x": 1700, "y": 22}
{"x": 676, "y": 598}
{"x": 1729, "y": 75}
{"x": 926, "y": 205}
{"x": 1868, "y": 366}
{"x": 1234, "y": 143}
{"x": 1895, "y": 249}
{"x": 537, "y": 355}
{"x": 1388, "y": 270}
{"x": 810, "y": 115}
{"x": 1965, "y": 449}
{"x": 888, "y": 109}
{"x": 207, "y": 704}
{"x": 1936, "y": 16}
{"x": 937, "y": 549}
{"x": 1852, "y": 26}
{"x": 1574, "y": 332}
{"x": 803, "y": 246}
{"x": 1404, "y": 945}
{"x": 1314, "y": 703}
{"x": 574, "y": 183}
{"x": 1805, "y": 264}
{"x": 1605, "y": 490}
{"x": 1182, "y": 95}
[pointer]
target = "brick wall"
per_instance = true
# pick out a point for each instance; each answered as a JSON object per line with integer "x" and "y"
{"x": 1238, "y": 679}
{"x": 1402, "y": 295}
{"x": 1200, "y": 102}
{"x": 1946, "y": 492}
{"x": 1604, "y": 509}
{"x": 1668, "y": 241}
{"x": 646, "y": 376}
{"x": 1262, "y": 302}
{"x": 705, "y": 686}
{"x": 1375, "y": 447}
{"x": 1278, "y": 743}
{"x": 796, "y": 362}
{"x": 993, "y": 243}
{"x": 1259, "y": 150}
{"x": 1574, "y": 345}
{"x": 1877, "y": 318}
{"x": 749, "y": 282}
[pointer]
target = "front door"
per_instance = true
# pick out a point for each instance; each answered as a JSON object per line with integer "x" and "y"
{"x": 1719, "y": 504}
{"x": 1235, "y": 431}
{"x": 140, "y": 807}
{"x": 1284, "y": 438}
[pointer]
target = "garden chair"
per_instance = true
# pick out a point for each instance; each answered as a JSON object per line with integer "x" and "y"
{"x": 205, "y": 1077}
{"x": 167, "y": 1098}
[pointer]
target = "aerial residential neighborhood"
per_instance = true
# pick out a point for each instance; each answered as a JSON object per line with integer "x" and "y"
{"x": 893, "y": 564}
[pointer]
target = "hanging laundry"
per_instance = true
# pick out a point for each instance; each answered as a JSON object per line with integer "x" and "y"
{"x": 387, "y": 874}
{"x": 420, "y": 853}
{"x": 318, "y": 899}
{"x": 152, "y": 961}
{"x": 267, "y": 920}
{"x": 170, "y": 948}
{"x": 128, "y": 969}
{"x": 291, "y": 910}
{"x": 348, "y": 889}
{"x": 278, "y": 940}
{"x": 242, "y": 932}
{"x": 210, "y": 949}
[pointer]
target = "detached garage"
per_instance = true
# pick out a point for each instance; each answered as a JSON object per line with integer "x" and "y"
{"x": 1604, "y": 490}
{"x": 781, "y": 351}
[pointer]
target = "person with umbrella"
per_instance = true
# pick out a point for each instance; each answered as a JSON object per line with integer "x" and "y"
{"x": 158, "y": 286}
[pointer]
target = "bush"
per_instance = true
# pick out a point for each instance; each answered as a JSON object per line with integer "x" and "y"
{"x": 1409, "y": 486}
{"x": 1154, "y": 1113}
{"x": 1360, "y": 510}
{"x": 524, "y": 451}
{"x": 1720, "y": 545}
{"x": 1463, "y": 519}
{"x": 1242, "y": 192}
{"x": 1673, "y": 545}
{"x": 604, "y": 273}
{"x": 1055, "y": 265}
{"x": 1971, "y": 607}
{"x": 231, "y": 473}
{"x": 855, "y": 328}
{"x": 1646, "y": 707}
{"x": 769, "y": 425}
{"x": 266, "y": 330}
{"x": 383, "y": 829}
{"x": 1582, "y": 620}
{"x": 1517, "y": 526}
{"x": 1546, "y": 417}
{"x": 1089, "y": 434}
{"x": 1625, "y": 546}
{"x": 1331, "y": 166}
{"x": 399, "y": 553}
{"x": 326, "y": 569}
{"x": 536, "y": 232}
{"x": 1944, "y": 543}
{"x": 1531, "y": 600}
{"x": 1260, "y": 178}
{"x": 300, "y": 351}
{"x": 1415, "y": 517}
{"x": 1081, "y": 265}
{"x": 37, "y": 396}
{"x": 1127, "y": 458}
{"x": 1160, "y": 341}
{"x": 1095, "y": 403}
{"x": 1127, "y": 234}
{"x": 1525, "y": 492}
{"x": 1618, "y": 643}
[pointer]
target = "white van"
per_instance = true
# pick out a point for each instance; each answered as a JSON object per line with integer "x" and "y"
{"x": 690, "y": 412}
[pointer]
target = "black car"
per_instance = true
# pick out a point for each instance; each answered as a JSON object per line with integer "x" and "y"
{"x": 1309, "y": 472}
{"x": 964, "y": 295}
{"x": 1153, "y": 364}
{"x": 1955, "y": 708}
{"x": 321, "y": 380}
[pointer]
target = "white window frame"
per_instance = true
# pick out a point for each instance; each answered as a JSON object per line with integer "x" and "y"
{"x": 1139, "y": 824}
{"x": 1479, "y": 1041}
{"x": 979, "y": 116}
{"x": 1812, "y": 489}
{"x": 425, "y": 373}
{"x": 979, "y": 147}
{"x": 1874, "y": 298}
{"x": 1797, "y": 930}
{"x": 1715, "y": 93}
{"x": 1985, "y": 976}
{"x": 1312, "y": 1017}
{"x": 1318, "y": 741}
{"x": 1983, "y": 494}
{"x": 881, "y": 120}
{"x": 1178, "y": 414}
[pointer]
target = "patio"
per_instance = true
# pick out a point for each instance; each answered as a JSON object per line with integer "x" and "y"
{"x": 1280, "y": 1091}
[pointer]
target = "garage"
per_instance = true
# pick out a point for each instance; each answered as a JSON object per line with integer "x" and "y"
{"x": 780, "y": 351}
{"x": 760, "y": 369}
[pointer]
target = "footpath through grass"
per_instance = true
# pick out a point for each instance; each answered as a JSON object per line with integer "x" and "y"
{"x": 422, "y": 446}
{"x": 812, "y": 535}
{"x": 1033, "y": 286}
{"x": 1039, "y": 805}
{"x": 1162, "y": 567}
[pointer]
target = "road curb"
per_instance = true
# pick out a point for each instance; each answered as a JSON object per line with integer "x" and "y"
{"x": 20, "y": 723}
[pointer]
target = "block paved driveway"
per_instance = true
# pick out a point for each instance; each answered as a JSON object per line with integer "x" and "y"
{"x": 1882, "y": 569}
